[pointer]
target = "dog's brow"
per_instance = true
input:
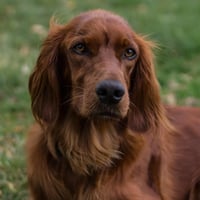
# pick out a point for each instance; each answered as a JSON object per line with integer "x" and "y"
{"x": 80, "y": 33}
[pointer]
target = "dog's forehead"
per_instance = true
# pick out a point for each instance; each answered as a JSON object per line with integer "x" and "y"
{"x": 100, "y": 14}
{"x": 101, "y": 21}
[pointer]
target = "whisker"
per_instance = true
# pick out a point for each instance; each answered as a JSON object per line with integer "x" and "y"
{"x": 69, "y": 100}
{"x": 92, "y": 106}
{"x": 73, "y": 86}
{"x": 132, "y": 105}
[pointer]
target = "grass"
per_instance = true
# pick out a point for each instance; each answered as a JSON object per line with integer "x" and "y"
{"x": 24, "y": 24}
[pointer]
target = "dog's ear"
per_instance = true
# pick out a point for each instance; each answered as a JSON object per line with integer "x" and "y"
{"x": 145, "y": 109}
{"x": 44, "y": 82}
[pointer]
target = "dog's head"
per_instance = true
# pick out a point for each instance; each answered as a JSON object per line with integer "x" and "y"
{"x": 97, "y": 67}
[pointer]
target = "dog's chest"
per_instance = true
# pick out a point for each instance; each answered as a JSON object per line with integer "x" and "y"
{"x": 110, "y": 188}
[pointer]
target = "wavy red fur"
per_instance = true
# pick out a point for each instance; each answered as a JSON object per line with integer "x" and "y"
{"x": 82, "y": 148}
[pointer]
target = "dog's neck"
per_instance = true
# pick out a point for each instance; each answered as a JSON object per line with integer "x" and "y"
{"x": 90, "y": 145}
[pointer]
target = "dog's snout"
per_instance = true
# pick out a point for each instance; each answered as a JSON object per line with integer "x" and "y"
{"x": 110, "y": 91}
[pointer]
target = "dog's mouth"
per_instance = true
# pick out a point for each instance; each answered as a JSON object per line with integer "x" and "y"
{"x": 107, "y": 115}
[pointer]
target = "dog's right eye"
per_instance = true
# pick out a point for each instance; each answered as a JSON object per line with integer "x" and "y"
{"x": 80, "y": 48}
{"x": 130, "y": 54}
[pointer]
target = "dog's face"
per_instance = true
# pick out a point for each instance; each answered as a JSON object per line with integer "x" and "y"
{"x": 101, "y": 55}
{"x": 97, "y": 67}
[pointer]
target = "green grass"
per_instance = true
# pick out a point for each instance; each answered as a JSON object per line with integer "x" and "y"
{"x": 24, "y": 24}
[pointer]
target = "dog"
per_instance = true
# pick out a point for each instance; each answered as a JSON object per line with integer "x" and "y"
{"x": 102, "y": 131}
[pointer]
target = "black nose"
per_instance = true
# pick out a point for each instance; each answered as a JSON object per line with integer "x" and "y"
{"x": 110, "y": 91}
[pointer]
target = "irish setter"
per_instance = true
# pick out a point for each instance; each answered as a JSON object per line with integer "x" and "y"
{"x": 102, "y": 132}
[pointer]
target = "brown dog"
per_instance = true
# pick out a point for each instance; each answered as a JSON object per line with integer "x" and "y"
{"x": 102, "y": 132}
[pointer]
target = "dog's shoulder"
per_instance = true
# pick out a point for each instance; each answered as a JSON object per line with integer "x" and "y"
{"x": 186, "y": 119}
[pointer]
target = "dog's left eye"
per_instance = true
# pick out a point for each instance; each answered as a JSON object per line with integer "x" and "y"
{"x": 130, "y": 54}
{"x": 80, "y": 48}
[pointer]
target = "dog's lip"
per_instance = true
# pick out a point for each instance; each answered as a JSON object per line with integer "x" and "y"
{"x": 107, "y": 115}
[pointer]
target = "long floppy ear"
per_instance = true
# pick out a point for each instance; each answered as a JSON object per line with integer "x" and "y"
{"x": 44, "y": 81}
{"x": 145, "y": 100}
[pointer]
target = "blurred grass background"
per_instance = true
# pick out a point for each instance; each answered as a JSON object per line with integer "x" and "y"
{"x": 23, "y": 26}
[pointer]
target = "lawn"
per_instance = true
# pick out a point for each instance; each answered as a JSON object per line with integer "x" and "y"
{"x": 24, "y": 24}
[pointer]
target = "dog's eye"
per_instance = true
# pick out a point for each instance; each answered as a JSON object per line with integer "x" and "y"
{"x": 130, "y": 53}
{"x": 80, "y": 48}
